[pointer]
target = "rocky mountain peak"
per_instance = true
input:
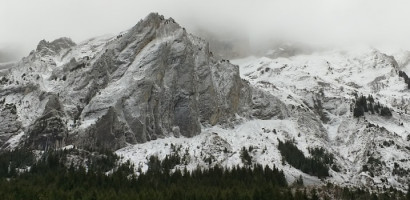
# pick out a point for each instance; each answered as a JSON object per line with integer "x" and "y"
{"x": 52, "y": 48}
{"x": 153, "y": 81}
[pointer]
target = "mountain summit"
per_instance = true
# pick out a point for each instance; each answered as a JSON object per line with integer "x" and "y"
{"x": 152, "y": 81}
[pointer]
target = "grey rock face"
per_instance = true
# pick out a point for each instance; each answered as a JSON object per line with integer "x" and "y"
{"x": 9, "y": 125}
{"x": 54, "y": 47}
{"x": 49, "y": 131}
{"x": 309, "y": 123}
{"x": 153, "y": 81}
{"x": 107, "y": 133}
{"x": 171, "y": 82}
{"x": 267, "y": 106}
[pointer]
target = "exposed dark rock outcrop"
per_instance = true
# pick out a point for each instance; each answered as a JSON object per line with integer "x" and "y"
{"x": 54, "y": 47}
{"x": 49, "y": 131}
{"x": 9, "y": 124}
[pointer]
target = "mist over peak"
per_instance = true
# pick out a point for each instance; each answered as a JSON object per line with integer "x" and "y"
{"x": 9, "y": 53}
{"x": 250, "y": 25}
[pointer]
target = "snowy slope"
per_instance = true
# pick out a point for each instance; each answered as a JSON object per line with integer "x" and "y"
{"x": 333, "y": 78}
{"x": 222, "y": 146}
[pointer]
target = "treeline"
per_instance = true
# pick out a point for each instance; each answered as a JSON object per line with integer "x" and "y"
{"x": 13, "y": 161}
{"x": 367, "y": 104}
{"x": 324, "y": 157}
{"x": 295, "y": 157}
{"x": 51, "y": 178}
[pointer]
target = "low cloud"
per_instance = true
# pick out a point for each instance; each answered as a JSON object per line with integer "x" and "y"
{"x": 10, "y": 53}
{"x": 322, "y": 22}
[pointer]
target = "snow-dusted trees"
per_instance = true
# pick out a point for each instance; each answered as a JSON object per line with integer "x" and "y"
{"x": 295, "y": 157}
{"x": 367, "y": 104}
{"x": 246, "y": 157}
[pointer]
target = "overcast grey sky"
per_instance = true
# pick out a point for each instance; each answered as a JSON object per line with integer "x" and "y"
{"x": 378, "y": 22}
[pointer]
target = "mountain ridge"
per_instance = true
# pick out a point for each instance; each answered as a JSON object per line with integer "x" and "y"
{"x": 151, "y": 81}
{"x": 157, "y": 90}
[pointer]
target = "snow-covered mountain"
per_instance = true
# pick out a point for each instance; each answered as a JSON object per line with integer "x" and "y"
{"x": 157, "y": 90}
{"x": 320, "y": 92}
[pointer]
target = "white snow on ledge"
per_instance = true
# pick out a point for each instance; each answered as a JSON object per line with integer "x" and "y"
{"x": 14, "y": 141}
{"x": 223, "y": 146}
